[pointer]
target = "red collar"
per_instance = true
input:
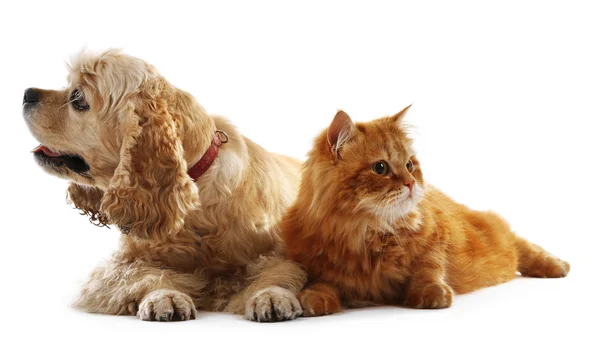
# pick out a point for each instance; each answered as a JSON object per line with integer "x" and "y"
{"x": 209, "y": 156}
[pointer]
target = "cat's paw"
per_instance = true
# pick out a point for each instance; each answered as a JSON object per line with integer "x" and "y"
{"x": 431, "y": 296}
{"x": 166, "y": 305}
{"x": 272, "y": 304}
{"x": 317, "y": 303}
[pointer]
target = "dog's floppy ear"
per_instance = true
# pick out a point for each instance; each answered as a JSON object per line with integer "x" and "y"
{"x": 88, "y": 199}
{"x": 150, "y": 192}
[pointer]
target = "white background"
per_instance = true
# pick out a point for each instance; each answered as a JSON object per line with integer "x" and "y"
{"x": 506, "y": 106}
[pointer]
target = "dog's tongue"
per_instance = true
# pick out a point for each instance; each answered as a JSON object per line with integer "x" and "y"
{"x": 46, "y": 150}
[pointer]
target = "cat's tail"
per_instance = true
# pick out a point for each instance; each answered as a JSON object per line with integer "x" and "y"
{"x": 534, "y": 261}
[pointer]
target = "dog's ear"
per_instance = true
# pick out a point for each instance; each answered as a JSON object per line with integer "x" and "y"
{"x": 150, "y": 192}
{"x": 87, "y": 199}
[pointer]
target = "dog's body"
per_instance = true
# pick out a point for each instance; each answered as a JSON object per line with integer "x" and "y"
{"x": 211, "y": 244}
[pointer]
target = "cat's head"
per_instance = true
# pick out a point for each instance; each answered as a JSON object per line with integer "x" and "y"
{"x": 369, "y": 167}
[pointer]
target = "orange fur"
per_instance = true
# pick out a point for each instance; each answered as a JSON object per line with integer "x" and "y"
{"x": 365, "y": 237}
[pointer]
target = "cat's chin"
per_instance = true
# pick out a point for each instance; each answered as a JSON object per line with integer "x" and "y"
{"x": 404, "y": 212}
{"x": 407, "y": 215}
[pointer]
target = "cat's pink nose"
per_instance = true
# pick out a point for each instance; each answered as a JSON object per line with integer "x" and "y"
{"x": 410, "y": 185}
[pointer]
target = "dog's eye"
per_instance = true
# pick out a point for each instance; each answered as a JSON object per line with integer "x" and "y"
{"x": 78, "y": 101}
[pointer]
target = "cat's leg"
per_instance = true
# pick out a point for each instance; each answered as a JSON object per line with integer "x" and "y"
{"x": 534, "y": 261}
{"x": 320, "y": 299}
{"x": 137, "y": 289}
{"x": 426, "y": 288}
{"x": 271, "y": 294}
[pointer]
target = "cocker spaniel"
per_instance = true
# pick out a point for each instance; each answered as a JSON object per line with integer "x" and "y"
{"x": 197, "y": 203}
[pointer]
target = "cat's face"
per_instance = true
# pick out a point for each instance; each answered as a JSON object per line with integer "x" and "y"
{"x": 374, "y": 166}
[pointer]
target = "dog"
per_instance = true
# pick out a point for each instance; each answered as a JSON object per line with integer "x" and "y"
{"x": 196, "y": 202}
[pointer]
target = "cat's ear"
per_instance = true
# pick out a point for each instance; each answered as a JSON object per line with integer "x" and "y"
{"x": 340, "y": 131}
{"x": 400, "y": 115}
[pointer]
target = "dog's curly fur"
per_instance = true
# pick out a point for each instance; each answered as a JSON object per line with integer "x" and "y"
{"x": 87, "y": 199}
{"x": 212, "y": 244}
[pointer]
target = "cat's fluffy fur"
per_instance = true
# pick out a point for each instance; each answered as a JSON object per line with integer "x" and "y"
{"x": 391, "y": 238}
{"x": 126, "y": 137}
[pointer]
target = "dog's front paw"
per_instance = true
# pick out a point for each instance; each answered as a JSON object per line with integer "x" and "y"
{"x": 166, "y": 305}
{"x": 432, "y": 296}
{"x": 272, "y": 304}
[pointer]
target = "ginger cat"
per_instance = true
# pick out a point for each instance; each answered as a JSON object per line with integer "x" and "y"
{"x": 369, "y": 230}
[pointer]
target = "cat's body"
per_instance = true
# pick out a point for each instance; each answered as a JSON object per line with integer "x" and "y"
{"x": 369, "y": 237}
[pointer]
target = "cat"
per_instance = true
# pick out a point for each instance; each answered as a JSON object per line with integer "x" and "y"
{"x": 369, "y": 229}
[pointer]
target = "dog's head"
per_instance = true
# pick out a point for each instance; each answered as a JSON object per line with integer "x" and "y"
{"x": 115, "y": 131}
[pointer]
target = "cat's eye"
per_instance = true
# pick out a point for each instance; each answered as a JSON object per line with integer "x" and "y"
{"x": 410, "y": 165}
{"x": 381, "y": 168}
{"x": 78, "y": 101}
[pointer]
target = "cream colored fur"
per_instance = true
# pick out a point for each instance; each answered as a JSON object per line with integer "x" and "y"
{"x": 212, "y": 244}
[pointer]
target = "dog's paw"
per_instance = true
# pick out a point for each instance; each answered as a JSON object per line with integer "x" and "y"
{"x": 166, "y": 305}
{"x": 272, "y": 304}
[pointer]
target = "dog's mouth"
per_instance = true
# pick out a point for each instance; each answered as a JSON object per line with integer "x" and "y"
{"x": 46, "y": 157}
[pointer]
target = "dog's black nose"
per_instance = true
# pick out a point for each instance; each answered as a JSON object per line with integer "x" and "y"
{"x": 31, "y": 96}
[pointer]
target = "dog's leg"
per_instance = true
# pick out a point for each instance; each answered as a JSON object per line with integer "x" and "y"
{"x": 137, "y": 289}
{"x": 271, "y": 295}
{"x": 166, "y": 305}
